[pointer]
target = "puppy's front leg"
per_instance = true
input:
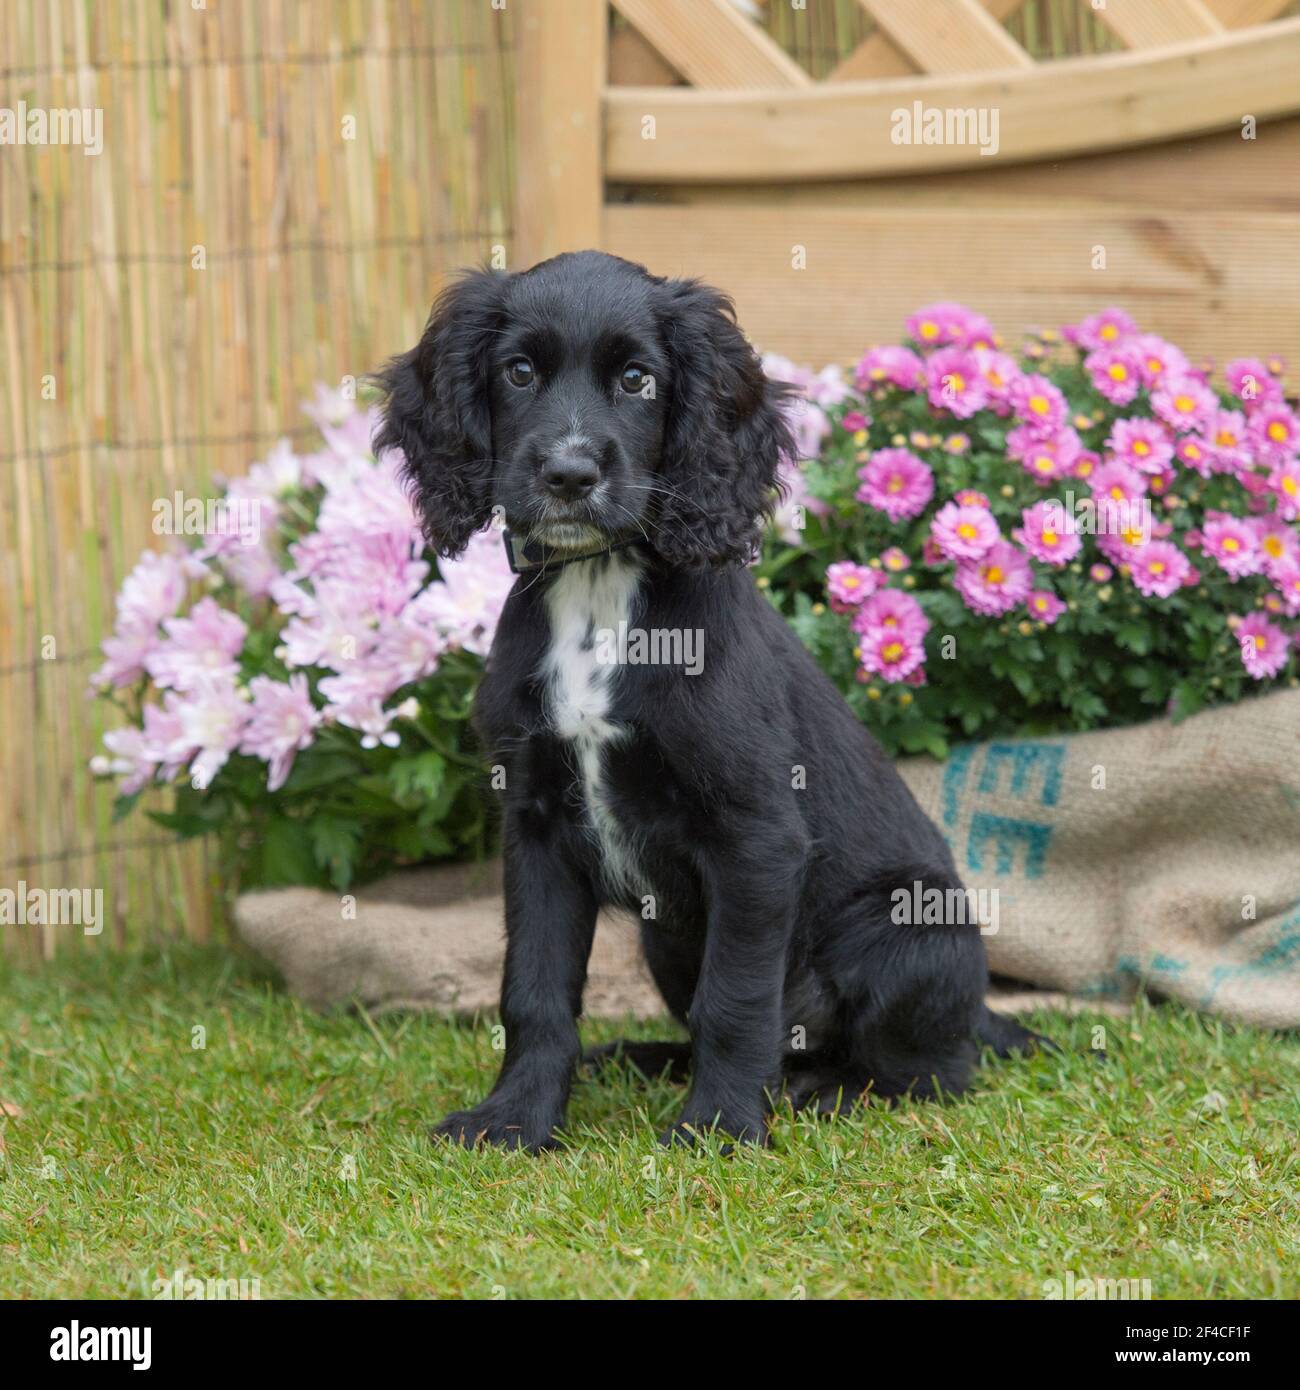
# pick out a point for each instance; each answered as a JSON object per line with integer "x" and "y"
{"x": 735, "y": 1017}
{"x": 550, "y": 921}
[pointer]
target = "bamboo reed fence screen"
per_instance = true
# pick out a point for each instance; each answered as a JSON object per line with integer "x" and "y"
{"x": 333, "y": 160}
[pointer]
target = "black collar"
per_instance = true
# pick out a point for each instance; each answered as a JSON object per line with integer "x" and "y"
{"x": 528, "y": 556}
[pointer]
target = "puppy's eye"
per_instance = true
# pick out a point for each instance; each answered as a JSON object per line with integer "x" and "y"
{"x": 520, "y": 372}
{"x": 633, "y": 379}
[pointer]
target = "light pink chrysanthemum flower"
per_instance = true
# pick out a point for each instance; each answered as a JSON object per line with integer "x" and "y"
{"x": 971, "y": 497}
{"x": 211, "y": 715}
{"x": 130, "y": 759}
{"x": 890, "y": 366}
{"x": 282, "y": 722}
{"x": 953, "y": 382}
{"x": 1227, "y": 436}
{"x": 891, "y": 610}
{"x": 1044, "y": 606}
{"x": 1159, "y": 569}
{"x": 940, "y": 324}
{"x": 1047, "y": 531}
{"x": 1100, "y": 574}
{"x": 1118, "y": 482}
{"x": 1116, "y": 372}
{"x": 1264, "y": 646}
{"x": 897, "y": 483}
{"x": 1232, "y": 543}
{"x": 848, "y": 584}
{"x": 125, "y": 652}
{"x": 1185, "y": 404}
{"x": 1039, "y": 404}
{"x": 356, "y": 701}
{"x": 964, "y": 532}
{"x": 205, "y": 644}
{"x": 809, "y": 427}
{"x": 1278, "y": 543}
{"x": 997, "y": 582}
{"x": 153, "y": 591}
{"x": 465, "y": 605}
{"x": 1142, "y": 444}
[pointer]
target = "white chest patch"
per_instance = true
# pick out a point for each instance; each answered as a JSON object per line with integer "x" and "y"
{"x": 587, "y": 598}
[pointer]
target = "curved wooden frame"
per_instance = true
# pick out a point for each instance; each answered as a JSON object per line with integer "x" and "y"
{"x": 842, "y": 130}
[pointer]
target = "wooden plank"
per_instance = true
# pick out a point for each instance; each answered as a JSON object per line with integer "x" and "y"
{"x": 1237, "y": 14}
{"x": 1050, "y": 110}
{"x": 957, "y": 36}
{"x": 879, "y": 56}
{"x": 1217, "y": 283}
{"x": 712, "y": 44}
{"x": 561, "y": 73}
{"x": 1154, "y": 23}
{"x": 635, "y": 62}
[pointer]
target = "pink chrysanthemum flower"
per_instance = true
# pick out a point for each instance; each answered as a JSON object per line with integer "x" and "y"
{"x": 997, "y": 582}
{"x": 130, "y": 759}
{"x": 1038, "y": 403}
{"x": 954, "y": 383}
{"x": 1044, "y": 606}
{"x": 971, "y": 497}
{"x": 1158, "y": 359}
{"x": 1232, "y": 543}
{"x": 938, "y": 325}
{"x": 205, "y": 644}
{"x": 1285, "y": 482}
{"x": 1100, "y": 574}
{"x": 891, "y": 610}
{"x": 282, "y": 722}
{"x": 893, "y": 656}
{"x": 1045, "y": 457}
{"x": 1286, "y": 578}
{"x": 1106, "y": 329}
{"x": 1118, "y": 482}
{"x": 1116, "y": 372}
{"x": 1275, "y": 432}
{"x": 1185, "y": 404}
{"x": 897, "y": 483}
{"x": 1264, "y": 646}
{"x": 1159, "y": 569}
{"x": 895, "y": 560}
{"x": 1196, "y": 453}
{"x": 890, "y": 366}
{"x": 1142, "y": 444}
{"x": 1226, "y": 435}
{"x": 1047, "y": 531}
{"x": 1251, "y": 381}
{"x": 956, "y": 444}
{"x": 1278, "y": 543}
{"x": 1000, "y": 373}
{"x": 854, "y": 420}
{"x": 210, "y": 716}
{"x": 1086, "y": 464}
{"x": 849, "y": 584}
{"x": 964, "y": 533}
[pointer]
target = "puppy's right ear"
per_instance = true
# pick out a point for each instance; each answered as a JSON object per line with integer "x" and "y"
{"x": 437, "y": 411}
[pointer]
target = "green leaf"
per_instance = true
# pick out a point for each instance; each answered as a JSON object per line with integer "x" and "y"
{"x": 419, "y": 778}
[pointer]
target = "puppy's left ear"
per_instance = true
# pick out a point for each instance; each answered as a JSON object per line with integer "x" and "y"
{"x": 437, "y": 411}
{"x": 725, "y": 435}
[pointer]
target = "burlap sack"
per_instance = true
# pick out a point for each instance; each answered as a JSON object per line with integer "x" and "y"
{"x": 1161, "y": 855}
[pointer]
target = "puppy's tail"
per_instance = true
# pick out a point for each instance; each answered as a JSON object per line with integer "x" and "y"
{"x": 1008, "y": 1038}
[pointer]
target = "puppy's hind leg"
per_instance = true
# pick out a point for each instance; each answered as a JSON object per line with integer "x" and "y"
{"x": 1008, "y": 1038}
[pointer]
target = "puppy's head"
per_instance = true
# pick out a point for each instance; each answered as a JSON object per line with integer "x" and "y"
{"x": 591, "y": 402}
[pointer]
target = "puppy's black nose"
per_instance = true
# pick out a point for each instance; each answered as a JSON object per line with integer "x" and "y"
{"x": 570, "y": 476}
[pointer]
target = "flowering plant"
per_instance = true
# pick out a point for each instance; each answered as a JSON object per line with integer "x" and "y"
{"x": 1085, "y": 535}
{"x": 301, "y": 676}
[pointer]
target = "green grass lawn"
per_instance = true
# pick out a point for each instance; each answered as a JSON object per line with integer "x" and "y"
{"x": 291, "y": 1150}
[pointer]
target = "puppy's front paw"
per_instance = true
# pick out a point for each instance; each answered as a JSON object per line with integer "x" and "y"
{"x": 490, "y": 1124}
{"x": 745, "y": 1129}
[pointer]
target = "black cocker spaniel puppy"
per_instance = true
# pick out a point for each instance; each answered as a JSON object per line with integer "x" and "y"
{"x": 667, "y": 744}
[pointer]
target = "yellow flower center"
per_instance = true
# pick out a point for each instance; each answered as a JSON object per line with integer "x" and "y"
{"x": 1192, "y": 451}
{"x": 1141, "y": 447}
{"x": 1277, "y": 432}
{"x": 1261, "y": 643}
{"x": 1040, "y": 405}
{"x": 895, "y": 483}
{"x": 1044, "y": 463}
{"x": 1231, "y": 544}
{"x": 929, "y": 330}
{"x": 1289, "y": 485}
{"x": 892, "y": 652}
{"x": 851, "y": 581}
{"x": 957, "y": 381}
{"x": 1273, "y": 545}
{"x": 1117, "y": 371}
{"x": 1184, "y": 404}
{"x": 1050, "y": 538}
{"x": 877, "y": 374}
{"x": 1110, "y": 332}
{"x": 1154, "y": 365}
{"x": 1117, "y": 493}
{"x": 994, "y": 574}
{"x": 966, "y": 531}
{"x": 1157, "y": 567}
{"x": 1226, "y": 438}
